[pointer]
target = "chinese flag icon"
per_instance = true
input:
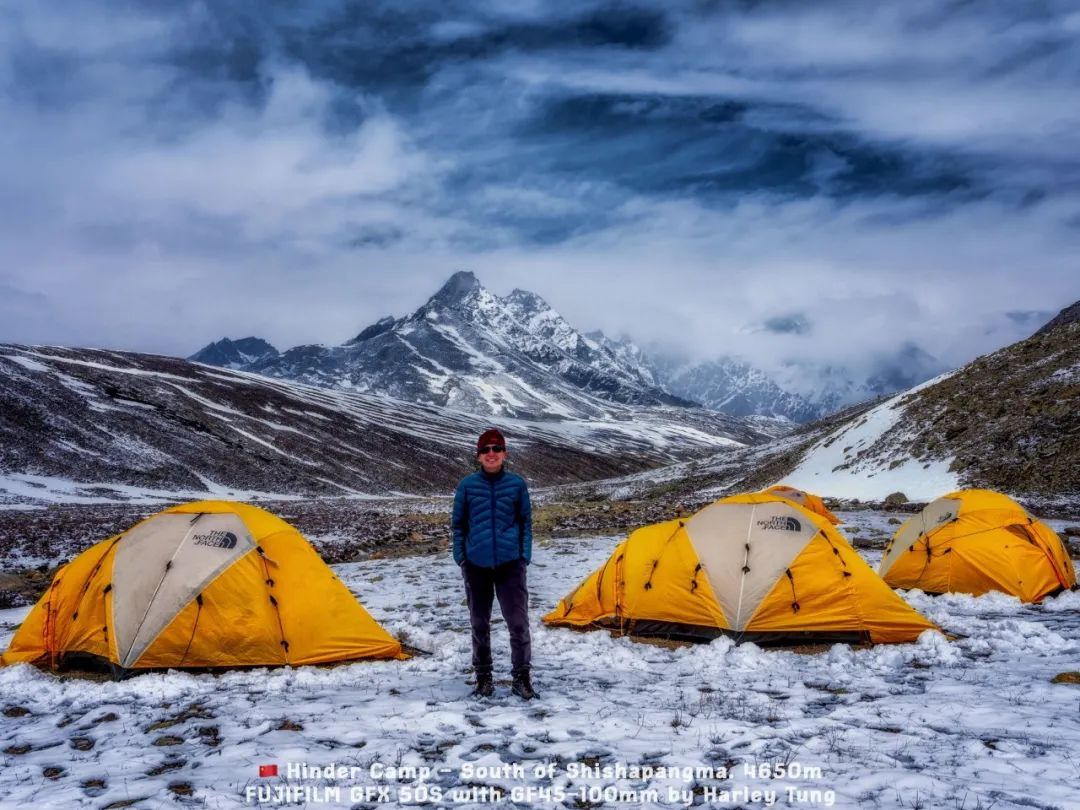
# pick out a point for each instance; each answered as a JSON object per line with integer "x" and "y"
{"x": 268, "y": 770}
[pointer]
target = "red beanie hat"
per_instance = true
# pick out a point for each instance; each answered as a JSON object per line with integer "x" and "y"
{"x": 490, "y": 436}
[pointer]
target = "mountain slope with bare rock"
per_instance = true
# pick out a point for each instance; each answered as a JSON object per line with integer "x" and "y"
{"x": 1008, "y": 421}
{"x": 81, "y": 424}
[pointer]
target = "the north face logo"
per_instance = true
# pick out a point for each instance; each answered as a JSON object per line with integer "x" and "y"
{"x": 946, "y": 516}
{"x": 216, "y": 539}
{"x": 779, "y": 523}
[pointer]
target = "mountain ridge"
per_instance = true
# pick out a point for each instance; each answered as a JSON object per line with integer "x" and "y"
{"x": 470, "y": 349}
{"x": 516, "y": 356}
{"x": 94, "y": 424}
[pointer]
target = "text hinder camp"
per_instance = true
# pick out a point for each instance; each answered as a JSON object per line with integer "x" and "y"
{"x": 424, "y": 793}
{"x": 574, "y": 770}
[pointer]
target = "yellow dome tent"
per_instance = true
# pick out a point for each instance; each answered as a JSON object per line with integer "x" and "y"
{"x": 207, "y": 584}
{"x": 755, "y": 567}
{"x": 807, "y": 500}
{"x": 974, "y": 541}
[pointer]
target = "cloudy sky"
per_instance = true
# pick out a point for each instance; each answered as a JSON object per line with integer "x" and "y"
{"x": 776, "y": 180}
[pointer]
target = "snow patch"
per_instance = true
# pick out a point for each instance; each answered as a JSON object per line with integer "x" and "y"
{"x": 26, "y": 362}
{"x": 832, "y": 467}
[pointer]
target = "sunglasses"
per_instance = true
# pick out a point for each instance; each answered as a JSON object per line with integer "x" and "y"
{"x": 491, "y": 448}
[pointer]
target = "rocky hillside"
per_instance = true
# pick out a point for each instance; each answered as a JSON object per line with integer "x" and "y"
{"x": 1009, "y": 421}
{"x": 1067, "y": 316}
{"x": 80, "y": 424}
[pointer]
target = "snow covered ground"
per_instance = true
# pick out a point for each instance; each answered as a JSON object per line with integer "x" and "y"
{"x": 974, "y": 723}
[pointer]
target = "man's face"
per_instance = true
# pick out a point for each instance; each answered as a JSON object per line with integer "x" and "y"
{"x": 491, "y": 457}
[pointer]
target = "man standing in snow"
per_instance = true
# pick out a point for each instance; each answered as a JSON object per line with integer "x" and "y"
{"x": 492, "y": 531}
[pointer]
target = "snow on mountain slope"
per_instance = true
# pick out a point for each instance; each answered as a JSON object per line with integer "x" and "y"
{"x": 801, "y": 389}
{"x": 736, "y": 387}
{"x": 1008, "y": 421}
{"x": 80, "y": 424}
{"x": 855, "y": 462}
{"x": 468, "y": 349}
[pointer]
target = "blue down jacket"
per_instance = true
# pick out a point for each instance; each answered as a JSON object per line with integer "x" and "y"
{"x": 492, "y": 519}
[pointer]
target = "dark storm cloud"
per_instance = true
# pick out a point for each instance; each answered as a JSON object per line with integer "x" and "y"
{"x": 366, "y": 45}
{"x": 376, "y": 236}
{"x": 685, "y": 163}
{"x": 794, "y": 324}
{"x": 1030, "y": 319}
{"x": 709, "y": 147}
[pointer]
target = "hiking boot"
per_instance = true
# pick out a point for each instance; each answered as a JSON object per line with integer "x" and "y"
{"x": 484, "y": 686}
{"x": 522, "y": 687}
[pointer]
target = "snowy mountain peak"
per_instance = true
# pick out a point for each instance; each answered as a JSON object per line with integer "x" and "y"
{"x": 456, "y": 290}
{"x": 733, "y": 386}
{"x": 472, "y": 350}
{"x": 384, "y": 324}
{"x": 526, "y": 301}
{"x": 228, "y": 353}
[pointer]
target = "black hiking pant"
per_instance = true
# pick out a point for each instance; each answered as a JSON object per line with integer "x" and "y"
{"x": 508, "y": 583}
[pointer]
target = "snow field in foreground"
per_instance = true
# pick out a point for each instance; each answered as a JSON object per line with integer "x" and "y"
{"x": 965, "y": 724}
